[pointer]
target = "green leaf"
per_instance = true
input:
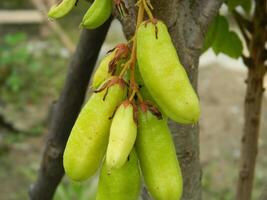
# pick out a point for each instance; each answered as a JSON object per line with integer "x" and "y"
{"x": 210, "y": 36}
{"x": 233, "y": 47}
{"x": 13, "y": 39}
{"x": 222, "y": 40}
{"x": 14, "y": 82}
{"x": 221, "y": 32}
{"x": 218, "y": 28}
{"x": 245, "y": 4}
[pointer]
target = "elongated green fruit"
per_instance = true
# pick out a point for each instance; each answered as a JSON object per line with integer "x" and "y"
{"x": 101, "y": 73}
{"x": 142, "y": 88}
{"x": 89, "y": 136}
{"x": 163, "y": 74}
{"x": 97, "y": 14}
{"x": 122, "y": 136}
{"x": 60, "y": 10}
{"x": 111, "y": 64}
{"x": 157, "y": 157}
{"x": 120, "y": 184}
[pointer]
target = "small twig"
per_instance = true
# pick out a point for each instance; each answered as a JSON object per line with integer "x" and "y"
{"x": 248, "y": 25}
{"x": 11, "y": 128}
{"x": 265, "y": 54}
{"x": 241, "y": 24}
{"x": 248, "y": 61}
{"x": 139, "y": 96}
{"x": 147, "y": 7}
{"x": 7, "y": 125}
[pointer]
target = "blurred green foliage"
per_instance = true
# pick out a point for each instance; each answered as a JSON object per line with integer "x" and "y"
{"x": 71, "y": 190}
{"x": 13, "y": 4}
{"x": 15, "y": 60}
{"x": 24, "y": 75}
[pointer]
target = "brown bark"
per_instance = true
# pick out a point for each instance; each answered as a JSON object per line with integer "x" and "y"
{"x": 66, "y": 111}
{"x": 253, "y": 100}
{"x": 187, "y": 22}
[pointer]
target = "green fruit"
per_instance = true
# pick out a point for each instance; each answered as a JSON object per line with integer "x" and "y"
{"x": 101, "y": 73}
{"x": 122, "y": 136}
{"x": 120, "y": 184}
{"x": 163, "y": 75}
{"x": 88, "y": 140}
{"x": 142, "y": 88}
{"x": 97, "y": 14}
{"x": 60, "y": 10}
{"x": 157, "y": 157}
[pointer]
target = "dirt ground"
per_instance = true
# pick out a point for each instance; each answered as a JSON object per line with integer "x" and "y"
{"x": 221, "y": 92}
{"x": 222, "y": 95}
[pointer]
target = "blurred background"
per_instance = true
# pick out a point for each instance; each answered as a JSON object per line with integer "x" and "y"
{"x": 34, "y": 57}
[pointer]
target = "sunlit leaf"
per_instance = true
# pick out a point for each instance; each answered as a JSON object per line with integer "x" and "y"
{"x": 245, "y": 4}
{"x": 222, "y": 40}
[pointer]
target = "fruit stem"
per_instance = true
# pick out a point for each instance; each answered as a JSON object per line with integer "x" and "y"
{"x": 132, "y": 61}
{"x": 140, "y": 18}
{"x": 140, "y": 98}
{"x": 147, "y": 7}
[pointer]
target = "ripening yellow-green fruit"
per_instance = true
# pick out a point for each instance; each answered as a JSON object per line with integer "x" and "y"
{"x": 111, "y": 64}
{"x": 88, "y": 140}
{"x": 163, "y": 75}
{"x": 122, "y": 136}
{"x": 60, "y": 10}
{"x": 120, "y": 184}
{"x": 97, "y": 14}
{"x": 157, "y": 158}
{"x": 101, "y": 73}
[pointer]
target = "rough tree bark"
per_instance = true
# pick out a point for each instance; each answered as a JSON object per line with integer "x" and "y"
{"x": 66, "y": 111}
{"x": 253, "y": 99}
{"x": 187, "y": 22}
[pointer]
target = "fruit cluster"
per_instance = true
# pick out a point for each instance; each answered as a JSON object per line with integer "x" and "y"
{"x": 123, "y": 126}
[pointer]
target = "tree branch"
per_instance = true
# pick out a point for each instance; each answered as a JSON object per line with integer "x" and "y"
{"x": 264, "y": 55}
{"x": 248, "y": 61}
{"x": 66, "y": 111}
{"x": 253, "y": 104}
{"x": 7, "y": 125}
{"x": 248, "y": 25}
{"x": 242, "y": 26}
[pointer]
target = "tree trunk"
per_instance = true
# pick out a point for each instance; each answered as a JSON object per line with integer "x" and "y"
{"x": 251, "y": 132}
{"x": 187, "y": 22}
{"x": 66, "y": 111}
{"x": 253, "y": 99}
